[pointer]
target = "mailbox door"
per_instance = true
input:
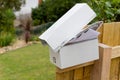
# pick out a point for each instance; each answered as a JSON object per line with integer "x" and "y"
{"x": 68, "y": 26}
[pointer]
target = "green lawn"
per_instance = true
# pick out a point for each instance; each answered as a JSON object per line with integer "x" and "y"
{"x": 28, "y": 63}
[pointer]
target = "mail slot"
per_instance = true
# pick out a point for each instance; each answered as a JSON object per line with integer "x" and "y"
{"x": 69, "y": 42}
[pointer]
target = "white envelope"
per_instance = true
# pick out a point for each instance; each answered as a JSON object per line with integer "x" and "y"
{"x": 87, "y": 34}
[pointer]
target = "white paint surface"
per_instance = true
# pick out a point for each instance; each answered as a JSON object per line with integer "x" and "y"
{"x": 75, "y": 54}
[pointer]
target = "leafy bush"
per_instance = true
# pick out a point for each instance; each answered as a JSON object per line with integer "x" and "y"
{"x": 6, "y": 38}
{"x": 107, "y": 11}
{"x": 51, "y": 10}
{"x": 6, "y": 27}
{"x": 38, "y": 14}
{"x": 6, "y": 20}
{"x": 36, "y": 22}
{"x": 34, "y": 38}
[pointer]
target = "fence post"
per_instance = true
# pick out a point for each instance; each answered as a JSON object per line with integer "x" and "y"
{"x": 101, "y": 69}
{"x": 68, "y": 75}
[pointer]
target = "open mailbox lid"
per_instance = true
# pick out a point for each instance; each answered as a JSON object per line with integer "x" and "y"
{"x": 68, "y": 26}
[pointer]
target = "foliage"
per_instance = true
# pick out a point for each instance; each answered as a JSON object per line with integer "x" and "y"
{"x": 28, "y": 63}
{"x": 6, "y": 20}
{"x": 6, "y": 13}
{"x": 52, "y": 10}
{"x": 107, "y": 11}
{"x": 6, "y": 27}
{"x": 6, "y": 38}
{"x": 38, "y": 14}
{"x": 36, "y": 22}
{"x": 34, "y": 38}
{"x": 10, "y": 4}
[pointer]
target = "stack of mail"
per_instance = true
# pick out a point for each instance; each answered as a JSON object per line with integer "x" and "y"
{"x": 87, "y": 34}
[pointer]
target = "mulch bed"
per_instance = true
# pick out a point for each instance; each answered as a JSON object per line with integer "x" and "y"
{"x": 16, "y": 45}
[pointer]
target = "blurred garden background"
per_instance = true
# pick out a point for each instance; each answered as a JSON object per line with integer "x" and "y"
{"x": 32, "y": 61}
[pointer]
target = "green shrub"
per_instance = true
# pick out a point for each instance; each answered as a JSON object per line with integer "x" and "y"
{"x": 38, "y": 14}
{"x": 34, "y": 38}
{"x": 108, "y": 11}
{"x": 36, "y": 22}
{"x": 52, "y": 10}
{"x": 6, "y": 20}
{"x": 6, "y": 27}
{"x": 6, "y": 38}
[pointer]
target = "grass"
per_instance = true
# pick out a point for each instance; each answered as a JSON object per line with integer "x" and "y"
{"x": 28, "y": 63}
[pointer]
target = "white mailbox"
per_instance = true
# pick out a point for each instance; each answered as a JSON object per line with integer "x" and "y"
{"x": 70, "y": 43}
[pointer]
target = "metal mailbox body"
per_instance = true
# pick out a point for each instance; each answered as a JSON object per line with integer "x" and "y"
{"x": 66, "y": 28}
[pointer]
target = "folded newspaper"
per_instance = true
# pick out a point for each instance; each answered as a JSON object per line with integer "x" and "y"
{"x": 88, "y": 33}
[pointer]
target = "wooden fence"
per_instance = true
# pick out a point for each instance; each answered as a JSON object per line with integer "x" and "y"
{"x": 108, "y": 65}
